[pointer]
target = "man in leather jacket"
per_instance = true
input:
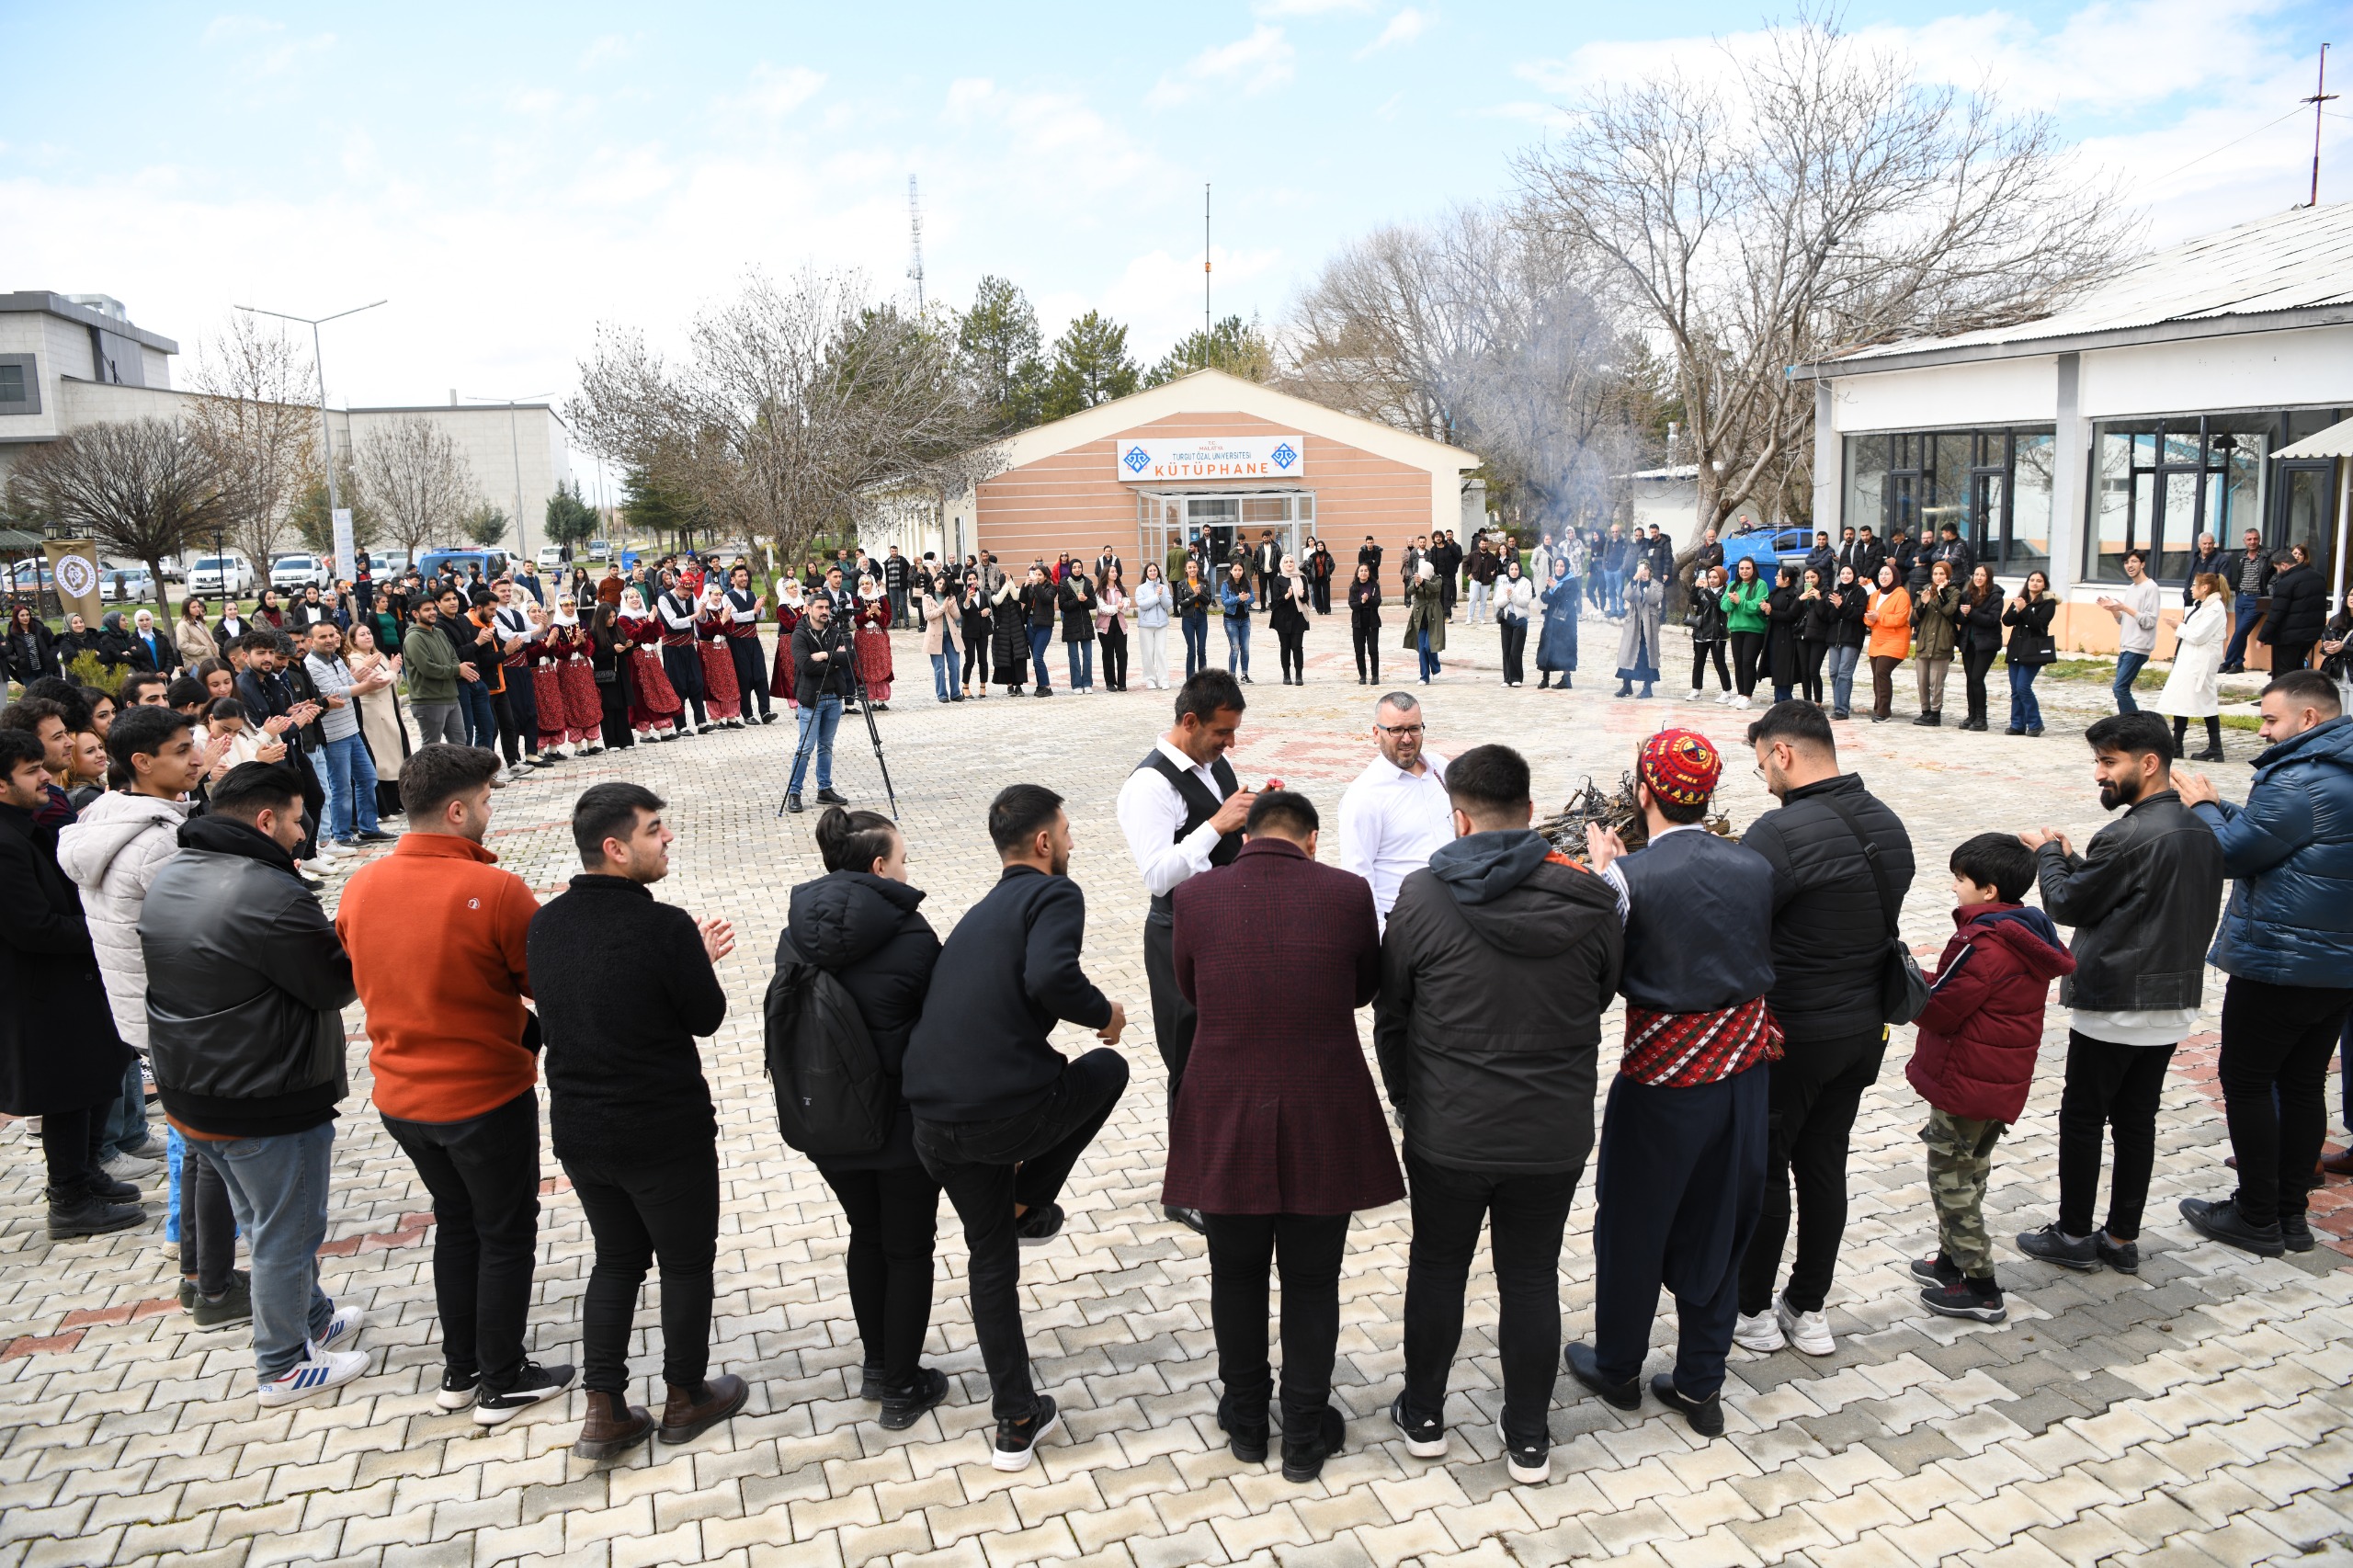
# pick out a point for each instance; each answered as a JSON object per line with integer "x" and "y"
{"x": 246, "y": 983}
{"x": 2144, "y": 899}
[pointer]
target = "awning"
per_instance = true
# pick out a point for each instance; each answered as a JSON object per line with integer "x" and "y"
{"x": 16, "y": 542}
{"x": 2336, "y": 441}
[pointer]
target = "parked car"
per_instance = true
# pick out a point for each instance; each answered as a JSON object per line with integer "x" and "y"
{"x": 600, "y": 549}
{"x": 29, "y": 576}
{"x": 299, "y": 572}
{"x": 126, "y": 582}
{"x": 383, "y": 564}
{"x": 550, "y": 557}
{"x": 213, "y": 576}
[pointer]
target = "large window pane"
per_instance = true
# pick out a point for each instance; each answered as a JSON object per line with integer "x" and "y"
{"x": 2176, "y": 533}
{"x": 2111, "y": 533}
{"x": 2030, "y": 505}
{"x": 1866, "y": 481}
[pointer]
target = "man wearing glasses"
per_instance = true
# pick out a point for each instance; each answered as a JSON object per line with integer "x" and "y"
{"x": 1397, "y": 810}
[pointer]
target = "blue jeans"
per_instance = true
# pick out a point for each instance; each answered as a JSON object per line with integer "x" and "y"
{"x": 1197, "y": 643}
{"x": 1842, "y": 678}
{"x": 2244, "y": 618}
{"x": 825, "y": 716}
{"x": 1613, "y": 591}
{"x": 1041, "y": 638}
{"x": 1237, "y": 642}
{"x": 2127, "y": 666}
{"x": 2025, "y": 713}
{"x": 350, "y": 779}
{"x": 127, "y": 1118}
{"x": 944, "y": 683}
{"x": 1429, "y": 659}
{"x": 480, "y": 711}
{"x": 1082, "y": 664}
{"x": 279, "y": 1188}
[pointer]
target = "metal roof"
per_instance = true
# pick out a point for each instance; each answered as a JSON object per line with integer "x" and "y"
{"x": 2292, "y": 269}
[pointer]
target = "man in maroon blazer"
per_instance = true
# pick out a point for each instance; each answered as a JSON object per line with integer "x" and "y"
{"x": 1279, "y": 1135}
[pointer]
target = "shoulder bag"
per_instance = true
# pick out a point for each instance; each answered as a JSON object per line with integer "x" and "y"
{"x": 1903, "y": 989}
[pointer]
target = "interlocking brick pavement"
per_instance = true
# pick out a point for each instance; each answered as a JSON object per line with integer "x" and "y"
{"x": 2198, "y": 1414}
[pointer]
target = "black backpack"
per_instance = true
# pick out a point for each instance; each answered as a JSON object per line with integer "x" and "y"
{"x": 833, "y": 1097}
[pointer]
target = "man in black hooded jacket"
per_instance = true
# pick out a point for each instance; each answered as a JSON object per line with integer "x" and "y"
{"x": 1497, "y": 960}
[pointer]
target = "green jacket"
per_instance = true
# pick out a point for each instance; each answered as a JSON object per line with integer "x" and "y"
{"x": 430, "y": 663}
{"x": 1745, "y": 606}
{"x": 1425, "y": 611}
{"x": 1935, "y": 612}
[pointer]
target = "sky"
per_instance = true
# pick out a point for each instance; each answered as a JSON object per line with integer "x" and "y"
{"x": 512, "y": 176}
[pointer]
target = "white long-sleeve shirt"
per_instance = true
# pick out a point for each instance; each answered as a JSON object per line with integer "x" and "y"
{"x": 2136, "y": 624}
{"x": 1150, "y": 814}
{"x": 1390, "y": 822}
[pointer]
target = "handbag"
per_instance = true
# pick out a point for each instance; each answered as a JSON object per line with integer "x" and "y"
{"x": 1903, "y": 989}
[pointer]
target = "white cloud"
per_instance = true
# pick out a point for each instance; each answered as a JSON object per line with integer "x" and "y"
{"x": 1251, "y": 64}
{"x": 1403, "y": 27}
{"x": 609, "y": 50}
{"x": 264, "y": 49}
{"x": 1309, "y": 8}
{"x": 774, "y": 93}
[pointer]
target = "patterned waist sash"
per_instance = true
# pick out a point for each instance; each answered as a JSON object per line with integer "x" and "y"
{"x": 1680, "y": 1051}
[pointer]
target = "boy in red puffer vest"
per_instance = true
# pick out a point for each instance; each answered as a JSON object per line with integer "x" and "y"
{"x": 1974, "y": 1058}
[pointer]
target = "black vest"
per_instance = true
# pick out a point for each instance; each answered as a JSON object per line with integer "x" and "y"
{"x": 1200, "y": 806}
{"x": 1698, "y": 926}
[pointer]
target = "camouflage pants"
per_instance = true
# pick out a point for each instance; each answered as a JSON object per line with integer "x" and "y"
{"x": 1960, "y": 1156}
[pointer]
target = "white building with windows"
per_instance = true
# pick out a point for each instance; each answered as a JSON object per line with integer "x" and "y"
{"x": 2156, "y": 408}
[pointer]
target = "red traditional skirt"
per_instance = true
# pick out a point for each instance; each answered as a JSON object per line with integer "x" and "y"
{"x": 653, "y": 701}
{"x": 723, "y": 694}
{"x": 781, "y": 675}
{"x": 874, "y": 663}
{"x": 547, "y": 696}
{"x": 582, "y": 704}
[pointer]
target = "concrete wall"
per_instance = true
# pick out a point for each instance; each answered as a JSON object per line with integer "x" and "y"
{"x": 533, "y": 451}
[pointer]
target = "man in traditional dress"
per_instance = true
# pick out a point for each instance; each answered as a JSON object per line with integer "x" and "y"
{"x": 744, "y": 609}
{"x": 1681, "y": 1175}
{"x": 681, "y": 660}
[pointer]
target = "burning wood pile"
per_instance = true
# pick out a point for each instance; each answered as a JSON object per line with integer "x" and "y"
{"x": 1616, "y": 811}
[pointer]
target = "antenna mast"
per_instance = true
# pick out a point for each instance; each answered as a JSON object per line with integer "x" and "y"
{"x": 1205, "y": 264}
{"x": 915, "y": 232}
{"x": 2321, "y": 97}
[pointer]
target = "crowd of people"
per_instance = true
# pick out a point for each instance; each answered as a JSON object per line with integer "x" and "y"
{"x": 172, "y": 918}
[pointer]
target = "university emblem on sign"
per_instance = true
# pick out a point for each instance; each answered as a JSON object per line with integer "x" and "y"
{"x": 1137, "y": 459}
{"x": 76, "y": 575}
{"x": 1284, "y": 456}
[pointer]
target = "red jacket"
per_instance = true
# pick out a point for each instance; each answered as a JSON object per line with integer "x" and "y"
{"x": 1984, "y": 1022}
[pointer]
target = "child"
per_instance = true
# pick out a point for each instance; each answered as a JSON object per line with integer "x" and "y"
{"x": 1974, "y": 1058}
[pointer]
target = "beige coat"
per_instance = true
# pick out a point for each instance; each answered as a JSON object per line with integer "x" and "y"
{"x": 939, "y": 635}
{"x": 195, "y": 642}
{"x": 381, "y": 720}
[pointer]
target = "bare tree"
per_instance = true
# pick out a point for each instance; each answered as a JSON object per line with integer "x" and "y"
{"x": 254, "y": 411}
{"x": 1820, "y": 198}
{"x": 413, "y": 471}
{"x": 140, "y": 488}
{"x": 791, "y": 401}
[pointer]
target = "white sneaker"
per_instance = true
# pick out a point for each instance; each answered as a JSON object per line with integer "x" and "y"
{"x": 129, "y": 1168}
{"x": 1727, "y": 700}
{"x": 1760, "y": 1333}
{"x": 330, "y": 850}
{"x": 1809, "y": 1331}
{"x": 515, "y": 774}
{"x": 321, "y": 1371}
{"x": 1746, "y": 702}
{"x": 343, "y": 1328}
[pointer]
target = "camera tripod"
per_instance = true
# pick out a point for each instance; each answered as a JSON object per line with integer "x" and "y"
{"x": 847, "y": 645}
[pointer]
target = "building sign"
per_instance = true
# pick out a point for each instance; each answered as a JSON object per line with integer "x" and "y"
{"x": 1212, "y": 457}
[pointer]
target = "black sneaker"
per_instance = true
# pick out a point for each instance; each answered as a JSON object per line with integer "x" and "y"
{"x": 901, "y": 1411}
{"x": 1017, "y": 1442}
{"x": 2122, "y": 1256}
{"x": 1304, "y": 1462}
{"x": 235, "y": 1305}
{"x": 188, "y": 1295}
{"x": 1937, "y": 1270}
{"x": 2222, "y": 1222}
{"x": 1978, "y": 1299}
{"x": 2295, "y": 1232}
{"x": 2052, "y": 1245}
{"x": 1246, "y": 1440}
{"x": 536, "y": 760}
{"x": 1042, "y": 1223}
{"x": 1532, "y": 1463}
{"x": 1424, "y": 1435}
{"x": 1189, "y": 1218}
{"x": 533, "y": 1385}
{"x": 869, "y": 1382}
{"x": 792, "y": 803}
{"x": 76, "y": 1212}
{"x": 1706, "y": 1415}
{"x": 106, "y": 1189}
{"x": 827, "y": 796}
{"x": 458, "y": 1389}
{"x": 374, "y": 835}
{"x": 1585, "y": 1367}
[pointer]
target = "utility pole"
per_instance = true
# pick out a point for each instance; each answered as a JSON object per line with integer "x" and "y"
{"x": 327, "y": 433}
{"x": 2321, "y": 98}
{"x": 915, "y": 227}
{"x": 1205, "y": 267}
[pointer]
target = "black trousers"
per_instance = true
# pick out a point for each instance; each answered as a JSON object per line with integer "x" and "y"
{"x": 1816, "y": 1088}
{"x": 70, "y": 1141}
{"x": 640, "y": 1210}
{"x": 986, "y": 1167}
{"x": 1974, "y": 662}
{"x": 1677, "y": 1194}
{"x": 2277, "y": 1041}
{"x": 683, "y": 666}
{"x": 1810, "y": 659}
{"x": 207, "y": 1225}
{"x": 1747, "y": 646}
{"x": 751, "y": 672}
{"x": 1307, "y": 1249}
{"x": 612, "y": 697}
{"x": 1368, "y": 641}
{"x": 2285, "y": 656}
{"x": 483, "y": 1173}
{"x": 893, "y": 1219}
{"x": 2213, "y": 732}
{"x": 502, "y": 709}
{"x": 1114, "y": 649}
{"x": 1699, "y": 653}
{"x": 1513, "y": 629}
{"x": 977, "y": 657}
{"x": 523, "y": 701}
{"x": 2113, "y": 1089}
{"x": 1173, "y": 1017}
{"x": 1526, "y": 1214}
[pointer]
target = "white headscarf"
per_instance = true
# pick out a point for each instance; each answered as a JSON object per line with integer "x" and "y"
{"x": 789, "y": 593}
{"x": 633, "y": 603}
{"x": 562, "y": 616}
{"x": 867, "y": 588}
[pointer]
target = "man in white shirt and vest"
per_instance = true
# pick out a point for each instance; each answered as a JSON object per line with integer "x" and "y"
{"x": 1397, "y": 810}
{"x": 681, "y": 660}
{"x": 1182, "y": 810}
{"x": 744, "y": 607}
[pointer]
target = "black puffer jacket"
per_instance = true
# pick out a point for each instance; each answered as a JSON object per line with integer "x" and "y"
{"x": 246, "y": 983}
{"x": 1495, "y": 967}
{"x": 866, "y": 932}
{"x": 2299, "y": 609}
{"x": 2144, "y": 899}
{"x": 1827, "y": 930}
{"x": 59, "y": 1048}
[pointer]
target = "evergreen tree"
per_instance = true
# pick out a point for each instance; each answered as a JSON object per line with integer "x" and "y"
{"x": 485, "y": 525}
{"x": 570, "y": 519}
{"x": 998, "y": 342}
{"x": 1231, "y": 345}
{"x": 1091, "y": 366}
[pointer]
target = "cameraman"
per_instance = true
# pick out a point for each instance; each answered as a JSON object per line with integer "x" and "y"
{"x": 824, "y": 664}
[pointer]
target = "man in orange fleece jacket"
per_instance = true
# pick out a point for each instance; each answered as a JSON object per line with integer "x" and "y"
{"x": 437, "y": 935}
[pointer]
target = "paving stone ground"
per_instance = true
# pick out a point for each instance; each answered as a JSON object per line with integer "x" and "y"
{"x": 2198, "y": 1414}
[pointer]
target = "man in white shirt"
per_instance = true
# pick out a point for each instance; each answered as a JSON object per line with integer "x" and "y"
{"x": 2136, "y": 625}
{"x": 1182, "y": 810}
{"x": 1397, "y": 810}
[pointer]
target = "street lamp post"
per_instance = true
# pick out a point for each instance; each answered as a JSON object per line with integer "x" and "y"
{"x": 319, "y": 363}
{"x": 514, "y": 449}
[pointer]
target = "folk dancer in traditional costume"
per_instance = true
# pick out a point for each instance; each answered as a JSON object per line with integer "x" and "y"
{"x": 653, "y": 708}
{"x": 873, "y": 644}
{"x": 742, "y": 632}
{"x": 1182, "y": 810}
{"x": 721, "y": 693}
{"x": 583, "y": 709}
{"x": 681, "y": 659}
{"x": 791, "y": 603}
{"x": 1681, "y": 1175}
{"x": 521, "y": 628}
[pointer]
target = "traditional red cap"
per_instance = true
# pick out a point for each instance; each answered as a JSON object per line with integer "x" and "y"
{"x": 1682, "y": 766}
